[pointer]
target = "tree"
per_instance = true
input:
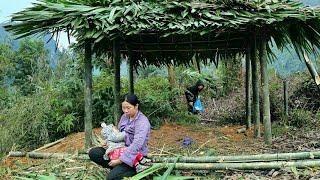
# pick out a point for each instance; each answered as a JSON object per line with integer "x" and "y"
{"x": 29, "y": 60}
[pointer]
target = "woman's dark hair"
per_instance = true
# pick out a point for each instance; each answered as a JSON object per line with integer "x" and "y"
{"x": 199, "y": 83}
{"x": 131, "y": 99}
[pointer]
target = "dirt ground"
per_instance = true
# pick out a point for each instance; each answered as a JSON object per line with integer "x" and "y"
{"x": 167, "y": 141}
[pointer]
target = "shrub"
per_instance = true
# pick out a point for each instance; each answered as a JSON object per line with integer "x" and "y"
{"x": 23, "y": 124}
{"x": 300, "y": 118}
{"x": 276, "y": 99}
{"x": 103, "y": 99}
{"x": 183, "y": 117}
{"x": 307, "y": 95}
{"x": 156, "y": 98}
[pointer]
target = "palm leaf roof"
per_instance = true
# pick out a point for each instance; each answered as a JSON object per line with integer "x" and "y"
{"x": 158, "y": 31}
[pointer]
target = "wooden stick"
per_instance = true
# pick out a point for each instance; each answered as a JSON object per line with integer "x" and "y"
{"x": 49, "y": 144}
{"x": 166, "y": 151}
{"x": 200, "y": 147}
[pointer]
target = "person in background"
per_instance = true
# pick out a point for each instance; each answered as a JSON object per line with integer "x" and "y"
{"x": 136, "y": 127}
{"x": 192, "y": 93}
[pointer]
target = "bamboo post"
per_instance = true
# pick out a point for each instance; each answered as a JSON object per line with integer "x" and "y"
{"x": 285, "y": 98}
{"x": 171, "y": 76}
{"x": 130, "y": 72}
{"x": 247, "y": 88}
{"x": 265, "y": 92}
{"x": 196, "y": 63}
{"x": 116, "y": 88}
{"x": 88, "y": 94}
{"x": 255, "y": 89}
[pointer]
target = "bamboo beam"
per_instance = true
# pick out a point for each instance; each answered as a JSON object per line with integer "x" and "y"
{"x": 186, "y": 42}
{"x": 184, "y": 50}
{"x": 245, "y": 166}
{"x": 243, "y": 158}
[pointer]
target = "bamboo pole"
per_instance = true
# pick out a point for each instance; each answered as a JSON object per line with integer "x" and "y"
{"x": 311, "y": 69}
{"x": 246, "y": 166}
{"x": 42, "y": 155}
{"x": 247, "y": 88}
{"x": 49, "y": 144}
{"x": 255, "y": 89}
{"x": 88, "y": 94}
{"x": 243, "y": 158}
{"x": 171, "y": 79}
{"x": 130, "y": 72}
{"x": 265, "y": 92}
{"x": 285, "y": 98}
{"x": 116, "y": 88}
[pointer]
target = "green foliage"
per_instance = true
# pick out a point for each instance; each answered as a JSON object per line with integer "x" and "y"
{"x": 276, "y": 98}
{"x": 148, "y": 71}
{"x": 48, "y": 108}
{"x": 156, "y": 98}
{"x": 188, "y": 77}
{"x": 228, "y": 74}
{"x": 66, "y": 98}
{"x": 31, "y": 60}
{"x": 23, "y": 124}
{"x": 183, "y": 117}
{"x": 147, "y": 172}
{"x": 306, "y": 96}
{"x": 103, "y": 98}
{"x": 301, "y": 118}
{"x": 279, "y": 130}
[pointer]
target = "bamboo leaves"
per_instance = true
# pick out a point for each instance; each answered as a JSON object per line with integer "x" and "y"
{"x": 287, "y": 22}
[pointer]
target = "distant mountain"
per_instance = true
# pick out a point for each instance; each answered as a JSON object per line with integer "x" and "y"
{"x": 311, "y": 2}
{"x": 288, "y": 62}
{"x": 50, "y": 46}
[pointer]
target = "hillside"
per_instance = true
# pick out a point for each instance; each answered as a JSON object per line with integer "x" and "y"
{"x": 51, "y": 45}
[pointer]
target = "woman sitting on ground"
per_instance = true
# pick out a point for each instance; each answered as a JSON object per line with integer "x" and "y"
{"x": 137, "y": 132}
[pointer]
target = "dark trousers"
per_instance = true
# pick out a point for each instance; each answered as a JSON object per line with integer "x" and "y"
{"x": 118, "y": 172}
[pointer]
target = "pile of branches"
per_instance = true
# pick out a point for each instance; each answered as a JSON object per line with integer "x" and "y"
{"x": 303, "y": 141}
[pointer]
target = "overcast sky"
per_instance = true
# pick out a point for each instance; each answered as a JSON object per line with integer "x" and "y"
{"x": 7, "y": 8}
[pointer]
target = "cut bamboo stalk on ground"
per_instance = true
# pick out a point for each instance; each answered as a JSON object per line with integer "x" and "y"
{"x": 246, "y": 165}
{"x": 49, "y": 144}
{"x": 203, "y": 159}
{"x": 41, "y": 155}
{"x": 243, "y": 158}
